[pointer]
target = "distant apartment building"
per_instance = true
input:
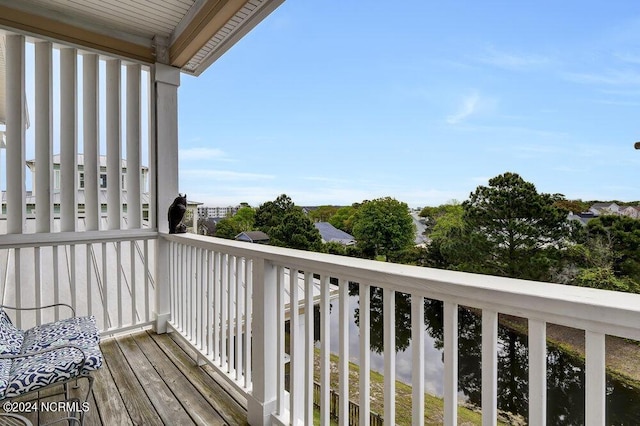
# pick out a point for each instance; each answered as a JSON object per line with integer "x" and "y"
{"x": 205, "y": 212}
{"x": 103, "y": 184}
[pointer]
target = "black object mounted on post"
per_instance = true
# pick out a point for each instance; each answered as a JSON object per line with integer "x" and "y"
{"x": 176, "y": 213}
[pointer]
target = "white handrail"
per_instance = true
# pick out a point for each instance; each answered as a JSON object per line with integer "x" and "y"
{"x": 598, "y": 312}
{"x": 10, "y": 241}
{"x": 604, "y": 311}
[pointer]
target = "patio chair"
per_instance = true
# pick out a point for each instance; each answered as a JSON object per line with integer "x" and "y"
{"x": 48, "y": 355}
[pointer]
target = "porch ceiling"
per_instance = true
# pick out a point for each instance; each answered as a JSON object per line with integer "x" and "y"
{"x": 188, "y": 34}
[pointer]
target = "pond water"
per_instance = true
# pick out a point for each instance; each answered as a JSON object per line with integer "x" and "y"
{"x": 565, "y": 373}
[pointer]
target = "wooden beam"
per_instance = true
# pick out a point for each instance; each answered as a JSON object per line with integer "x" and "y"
{"x": 55, "y": 30}
{"x": 211, "y": 17}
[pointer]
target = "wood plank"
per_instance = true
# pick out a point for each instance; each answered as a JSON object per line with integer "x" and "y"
{"x": 108, "y": 402}
{"x": 92, "y": 417}
{"x": 165, "y": 403}
{"x": 220, "y": 400}
{"x": 138, "y": 405}
{"x": 239, "y": 398}
{"x": 48, "y": 413}
{"x": 197, "y": 407}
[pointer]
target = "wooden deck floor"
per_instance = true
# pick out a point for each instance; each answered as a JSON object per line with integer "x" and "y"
{"x": 149, "y": 379}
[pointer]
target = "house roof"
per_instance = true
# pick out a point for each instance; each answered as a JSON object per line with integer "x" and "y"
{"x": 603, "y": 205}
{"x": 252, "y": 236}
{"x": 187, "y": 34}
{"x": 329, "y": 233}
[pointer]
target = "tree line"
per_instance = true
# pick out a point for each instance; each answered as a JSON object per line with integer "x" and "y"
{"x": 506, "y": 228}
{"x": 382, "y": 227}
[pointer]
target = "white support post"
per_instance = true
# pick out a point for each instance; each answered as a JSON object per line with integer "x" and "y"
{"x": 248, "y": 308}
{"x": 114, "y": 144}
{"x": 537, "y": 372}
{"x": 308, "y": 347}
{"x": 296, "y": 370}
{"x": 417, "y": 343}
{"x": 152, "y": 175}
{"x": 595, "y": 378}
{"x": 91, "y": 153}
{"x": 167, "y": 80}
{"x": 489, "y": 367}
{"x": 389, "y": 318}
{"x": 261, "y": 402}
{"x": 68, "y": 140}
{"x": 44, "y": 135}
{"x": 343, "y": 362}
{"x": 134, "y": 135}
{"x": 165, "y": 159}
{"x": 325, "y": 350}
{"x": 15, "y": 133}
{"x": 280, "y": 337}
{"x": 450, "y": 363}
{"x": 364, "y": 327}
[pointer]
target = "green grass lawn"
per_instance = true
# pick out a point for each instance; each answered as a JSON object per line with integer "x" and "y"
{"x": 433, "y": 406}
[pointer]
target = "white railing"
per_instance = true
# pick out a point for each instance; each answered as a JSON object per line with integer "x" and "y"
{"x": 108, "y": 274}
{"x": 214, "y": 283}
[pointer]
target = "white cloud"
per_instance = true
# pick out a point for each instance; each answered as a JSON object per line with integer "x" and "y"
{"x": 187, "y": 154}
{"x": 609, "y": 78}
{"x": 225, "y": 175}
{"x": 468, "y": 107}
{"x": 512, "y": 61}
{"x": 480, "y": 180}
{"x": 628, "y": 57}
{"x": 256, "y": 193}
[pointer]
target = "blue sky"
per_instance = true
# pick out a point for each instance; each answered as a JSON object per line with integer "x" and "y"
{"x": 335, "y": 102}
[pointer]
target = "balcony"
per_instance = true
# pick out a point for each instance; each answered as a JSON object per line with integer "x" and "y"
{"x": 232, "y": 322}
{"x": 230, "y": 304}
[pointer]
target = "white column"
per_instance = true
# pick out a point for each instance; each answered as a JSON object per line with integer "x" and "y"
{"x": 150, "y": 179}
{"x": 44, "y": 136}
{"x": 389, "y": 318}
{"x": 537, "y": 372}
{"x": 114, "y": 144}
{"x": 134, "y": 164}
{"x": 364, "y": 326}
{"x": 308, "y": 347}
{"x": 343, "y": 362}
{"x": 450, "y": 363}
{"x": 489, "y": 367}
{"x": 595, "y": 378}
{"x": 15, "y": 133}
{"x": 261, "y": 403}
{"x": 296, "y": 369}
{"x": 325, "y": 350}
{"x": 166, "y": 119}
{"x": 68, "y": 139}
{"x": 417, "y": 344}
{"x": 164, "y": 159}
{"x": 90, "y": 126}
